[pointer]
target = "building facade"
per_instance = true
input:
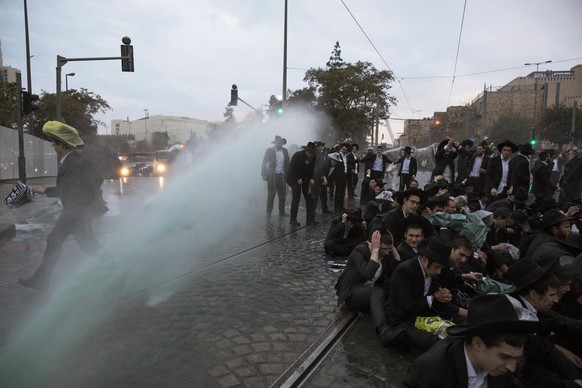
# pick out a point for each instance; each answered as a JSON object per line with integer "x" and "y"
{"x": 179, "y": 129}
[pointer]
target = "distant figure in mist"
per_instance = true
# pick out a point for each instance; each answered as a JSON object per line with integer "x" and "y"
{"x": 274, "y": 170}
{"x": 301, "y": 177}
{"x": 78, "y": 189}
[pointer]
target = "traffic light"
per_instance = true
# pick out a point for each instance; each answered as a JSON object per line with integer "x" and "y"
{"x": 280, "y": 109}
{"x": 233, "y": 96}
{"x": 29, "y": 102}
{"x": 127, "y": 55}
{"x": 533, "y": 138}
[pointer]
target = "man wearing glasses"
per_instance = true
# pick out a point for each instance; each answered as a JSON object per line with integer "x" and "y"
{"x": 409, "y": 201}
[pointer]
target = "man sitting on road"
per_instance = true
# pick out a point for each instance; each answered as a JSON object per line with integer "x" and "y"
{"x": 347, "y": 231}
{"x": 416, "y": 229}
{"x": 363, "y": 284}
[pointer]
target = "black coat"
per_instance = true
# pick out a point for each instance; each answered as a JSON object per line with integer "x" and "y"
{"x": 393, "y": 222}
{"x": 270, "y": 162}
{"x": 369, "y": 162}
{"x": 482, "y": 175}
{"x": 541, "y": 185}
{"x": 299, "y": 169}
{"x": 443, "y": 159}
{"x": 407, "y": 301}
{"x": 444, "y": 365}
{"x": 359, "y": 270}
{"x": 494, "y": 174}
{"x": 519, "y": 171}
{"x": 412, "y": 168}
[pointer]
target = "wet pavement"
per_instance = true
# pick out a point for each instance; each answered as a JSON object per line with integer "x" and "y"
{"x": 244, "y": 315}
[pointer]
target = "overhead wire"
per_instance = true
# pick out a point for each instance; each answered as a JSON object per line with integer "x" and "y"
{"x": 457, "y": 56}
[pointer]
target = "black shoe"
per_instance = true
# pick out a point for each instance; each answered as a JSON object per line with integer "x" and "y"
{"x": 392, "y": 337}
{"x": 30, "y": 283}
{"x": 294, "y": 223}
{"x": 283, "y": 214}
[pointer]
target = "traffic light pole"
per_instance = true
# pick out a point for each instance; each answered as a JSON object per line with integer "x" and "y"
{"x": 21, "y": 159}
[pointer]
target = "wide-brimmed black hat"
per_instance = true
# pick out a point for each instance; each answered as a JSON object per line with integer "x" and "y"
{"x": 522, "y": 197}
{"x": 279, "y": 140}
{"x": 407, "y": 193}
{"x": 414, "y": 219}
{"x": 309, "y": 147}
{"x": 554, "y": 217}
{"x": 548, "y": 204}
{"x": 526, "y": 149}
{"x": 467, "y": 142}
{"x": 355, "y": 214}
{"x": 408, "y": 150}
{"x": 523, "y": 273}
{"x": 319, "y": 144}
{"x": 442, "y": 144}
{"x": 507, "y": 143}
{"x": 493, "y": 313}
{"x": 565, "y": 267}
{"x": 437, "y": 250}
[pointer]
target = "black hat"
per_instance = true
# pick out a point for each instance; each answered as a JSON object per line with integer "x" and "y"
{"x": 523, "y": 273}
{"x": 507, "y": 143}
{"x": 407, "y": 150}
{"x": 436, "y": 199}
{"x": 371, "y": 208}
{"x": 467, "y": 142}
{"x": 319, "y": 143}
{"x": 522, "y": 197}
{"x": 414, "y": 219}
{"x": 526, "y": 149}
{"x": 493, "y": 313}
{"x": 566, "y": 267}
{"x": 279, "y": 140}
{"x": 437, "y": 250}
{"x": 407, "y": 193}
{"x": 443, "y": 143}
{"x": 548, "y": 204}
{"x": 520, "y": 216}
{"x": 355, "y": 214}
{"x": 554, "y": 217}
{"x": 309, "y": 147}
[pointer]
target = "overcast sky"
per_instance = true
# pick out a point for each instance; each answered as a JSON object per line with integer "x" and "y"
{"x": 188, "y": 53}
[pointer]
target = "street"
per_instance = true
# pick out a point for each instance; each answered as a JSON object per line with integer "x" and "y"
{"x": 180, "y": 296}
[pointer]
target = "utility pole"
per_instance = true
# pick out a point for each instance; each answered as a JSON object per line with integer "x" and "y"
{"x": 284, "y": 94}
{"x": 21, "y": 159}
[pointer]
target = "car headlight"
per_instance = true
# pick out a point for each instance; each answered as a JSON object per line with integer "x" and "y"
{"x": 125, "y": 171}
{"x": 161, "y": 167}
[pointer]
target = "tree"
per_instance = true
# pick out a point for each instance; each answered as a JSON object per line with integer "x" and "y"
{"x": 77, "y": 109}
{"x": 159, "y": 141}
{"x": 557, "y": 125}
{"x": 515, "y": 128}
{"x": 348, "y": 93}
{"x": 8, "y": 105}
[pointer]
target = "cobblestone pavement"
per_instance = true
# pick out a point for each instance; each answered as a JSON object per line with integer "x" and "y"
{"x": 238, "y": 319}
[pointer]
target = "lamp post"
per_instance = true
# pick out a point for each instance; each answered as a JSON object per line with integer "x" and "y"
{"x": 536, "y": 88}
{"x": 67, "y": 80}
{"x": 146, "y": 115}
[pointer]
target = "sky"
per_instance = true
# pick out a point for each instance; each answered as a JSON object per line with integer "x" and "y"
{"x": 188, "y": 53}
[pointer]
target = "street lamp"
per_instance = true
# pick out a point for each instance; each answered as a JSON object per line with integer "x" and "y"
{"x": 67, "y": 80}
{"x": 145, "y": 126}
{"x": 536, "y": 87}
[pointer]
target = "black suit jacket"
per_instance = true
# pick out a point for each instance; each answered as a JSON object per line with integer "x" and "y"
{"x": 407, "y": 301}
{"x": 482, "y": 175}
{"x": 541, "y": 185}
{"x": 270, "y": 162}
{"x": 443, "y": 159}
{"x": 519, "y": 171}
{"x": 298, "y": 169}
{"x": 393, "y": 222}
{"x": 444, "y": 365}
{"x": 77, "y": 185}
{"x": 494, "y": 174}
{"x": 370, "y": 159}
{"x": 412, "y": 169}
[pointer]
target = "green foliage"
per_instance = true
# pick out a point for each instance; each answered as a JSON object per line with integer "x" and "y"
{"x": 515, "y": 128}
{"x": 8, "y": 105}
{"x": 557, "y": 125}
{"x": 77, "y": 109}
{"x": 348, "y": 93}
{"x": 159, "y": 141}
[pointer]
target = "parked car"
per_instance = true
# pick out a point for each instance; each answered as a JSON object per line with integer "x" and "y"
{"x": 162, "y": 162}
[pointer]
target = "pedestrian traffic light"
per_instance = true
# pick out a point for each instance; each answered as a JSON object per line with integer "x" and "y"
{"x": 233, "y": 96}
{"x": 29, "y": 102}
{"x": 126, "y": 55}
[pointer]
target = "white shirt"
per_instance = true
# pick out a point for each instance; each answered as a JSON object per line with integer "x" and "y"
{"x": 406, "y": 166}
{"x": 474, "y": 379}
{"x": 427, "y": 283}
{"x": 280, "y": 164}
{"x": 377, "y": 163}
{"x": 528, "y": 306}
{"x": 345, "y": 159}
{"x": 555, "y": 166}
{"x": 476, "y": 166}
{"x": 505, "y": 171}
